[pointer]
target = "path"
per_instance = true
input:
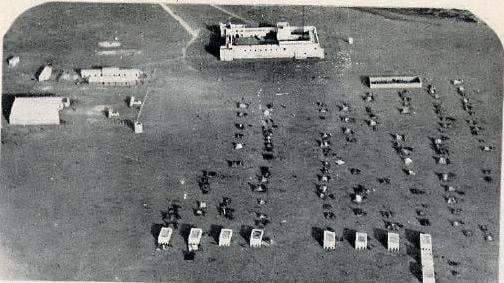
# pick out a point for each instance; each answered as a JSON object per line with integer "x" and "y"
{"x": 185, "y": 25}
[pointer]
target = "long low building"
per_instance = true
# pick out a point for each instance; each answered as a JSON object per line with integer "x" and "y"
{"x": 282, "y": 41}
{"x": 112, "y": 76}
{"x": 36, "y": 111}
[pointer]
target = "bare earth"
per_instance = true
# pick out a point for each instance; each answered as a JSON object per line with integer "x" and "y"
{"x": 79, "y": 201}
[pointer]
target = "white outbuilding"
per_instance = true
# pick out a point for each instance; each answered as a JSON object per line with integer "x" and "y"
{"x": 360, "y": 241}
{"x": 256, "y": 237}
{"x": 13, "y": 61}
{"x": 225, "y": 237}
{"x": 45, "y": 74}
{"x": 194, "y": 239}
{"x": 329, "y": 240}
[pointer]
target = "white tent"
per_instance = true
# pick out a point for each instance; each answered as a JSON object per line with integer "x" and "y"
{"x": 36, "y": 111}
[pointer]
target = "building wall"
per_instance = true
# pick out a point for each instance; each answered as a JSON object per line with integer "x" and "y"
{"x": 301, "y": 51}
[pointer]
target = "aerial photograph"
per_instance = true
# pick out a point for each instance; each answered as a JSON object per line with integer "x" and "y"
{"x": 261, "y": 143}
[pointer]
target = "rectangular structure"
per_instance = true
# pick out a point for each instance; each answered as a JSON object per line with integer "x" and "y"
{"x": 225, "y": 237}
{"x": 395, "y": 82}
{"x": 281, "y": 41}
{"x": 360, "y": 241}
{"x": 36, "y": 111}
{"x": 427, "y": 264}
{"x": 426, "y": 258}
{"x": 425, "y": 242}
{"x": 45, "y": 74}
{"x": 13, "y": 61}
{"x": 256, "y": 237}
{"x": 393, "y": 241}
{"x": 194, "y": 239}
{"x": 112, "y": 76}
{"x": 138, "y": 127}
{"x": 165, "y": 236}
{"x": 329, "y": 240}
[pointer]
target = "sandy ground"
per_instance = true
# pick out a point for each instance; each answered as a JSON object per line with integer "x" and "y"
{"x": 80, "y": 201}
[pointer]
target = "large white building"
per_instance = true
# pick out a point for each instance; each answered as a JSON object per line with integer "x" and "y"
{"x": 282, "y": 41}
{"x": 36, "y": 111}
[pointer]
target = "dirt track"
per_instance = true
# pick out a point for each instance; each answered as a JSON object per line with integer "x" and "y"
{"x": 79, "y": 201}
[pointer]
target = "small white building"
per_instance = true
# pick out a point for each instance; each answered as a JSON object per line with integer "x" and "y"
{"x": 194, "y": 239}
{"x": 329, "y": 240}
{"x": 45, "y": 74}
{"x": 425, "y": 242}
{"x": 256, "y": 237}
{"x": 165, "y": 236}
{"x": 13, "y": 61}
{"x": 138, "y": 127}
{"x": 393, "y": 241}
{"x": 360, "y": 241}
{"x": 225, "y": 237}
{"x": 36, "y": 111}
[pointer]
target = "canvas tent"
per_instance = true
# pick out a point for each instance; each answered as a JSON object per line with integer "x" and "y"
{"x": 36, "y": 111}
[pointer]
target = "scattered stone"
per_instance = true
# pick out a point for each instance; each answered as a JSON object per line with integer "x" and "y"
{"x": 326, "y": 206}
{"x": 329, "y": 215}
{"x": 467, "y": 233}
{"x": 453, "y": 263}
{"x": 487, "y": 148}
{"x": 242, "y": 105}
{"x": 457, "y": 223}
{"x": 451, "y": 199}
{"x": 424, "y": 221}
{"x": 355, "y": 171}
{"x": 487, "y": 179}
{"x": 409, "y": 172}
{"x": 457, "y": 81}
{"x": 387, "y": 213}
{"x": 358, "y": 198}
{"x": 384, "y": 180}
{"x": 393, "y": 226}
{"x": 359, "y": 212}
{"x": 456, "y": 211}
{"x": 340, "y": 162}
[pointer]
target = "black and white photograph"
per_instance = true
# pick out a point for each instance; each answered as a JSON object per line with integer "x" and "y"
{"x": 183, "y": 142}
